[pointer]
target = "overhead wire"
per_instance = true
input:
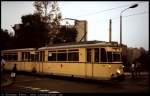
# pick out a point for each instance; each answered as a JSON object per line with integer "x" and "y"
{"x": 93, "y": 13}
{"x": 140, "y": 13}
{"x": 97, "y": 21}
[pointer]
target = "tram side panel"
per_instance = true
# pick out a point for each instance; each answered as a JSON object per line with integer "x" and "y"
{"x": 98, "y": 71}
{"x": 101, "y": 71}
{"x": 76, "y": 68}
{"x": 73, "y": 69}
{"x": 9, "y": 65}
{"x": 82, "y": 62}
{"x": 51, "y": 67}
{"x": 59, "y": 68}
{"x": 29, "y": 66}
{"x": 65, "y": 67}
{"x": 88, "y": 70}
{"x": 40, "y": 67}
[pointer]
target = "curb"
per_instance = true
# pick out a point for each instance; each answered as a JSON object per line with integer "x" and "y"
{"x": 142, "y": 73}
{"x": 9, "y": 82}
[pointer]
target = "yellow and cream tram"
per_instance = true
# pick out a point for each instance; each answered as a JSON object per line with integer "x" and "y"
{"x": 93, "y": 60}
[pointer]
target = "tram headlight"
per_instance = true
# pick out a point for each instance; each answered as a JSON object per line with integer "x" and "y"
{"x": 118, "y": 71}
{"x": 121, "y": 67}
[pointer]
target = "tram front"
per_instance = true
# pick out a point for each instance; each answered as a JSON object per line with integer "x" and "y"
{"x": 114, "y": 55}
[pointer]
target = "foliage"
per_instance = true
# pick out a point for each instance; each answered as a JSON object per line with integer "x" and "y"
{"x": 5, "y": 39}
{"x": 65, "y": 35}
{"x": 32, "y": 32}
{"x": 135, "y": 55}
{"x": 144, "y": 58}
{"x": 41, "y": 7}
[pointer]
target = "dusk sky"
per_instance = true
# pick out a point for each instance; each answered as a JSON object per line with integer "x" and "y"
{"x": 135, "y": 21}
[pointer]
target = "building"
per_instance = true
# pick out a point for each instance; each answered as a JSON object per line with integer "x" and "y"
{"x": 81, "y": 27}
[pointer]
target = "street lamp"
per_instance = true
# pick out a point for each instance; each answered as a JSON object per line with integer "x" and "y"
{"x": 133, "y": 6}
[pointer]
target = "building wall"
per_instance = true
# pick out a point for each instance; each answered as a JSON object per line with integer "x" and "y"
{"x": 81, "y": 27}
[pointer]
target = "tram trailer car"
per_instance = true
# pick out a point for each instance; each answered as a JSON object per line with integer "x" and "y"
{"x": 90, "y": 60}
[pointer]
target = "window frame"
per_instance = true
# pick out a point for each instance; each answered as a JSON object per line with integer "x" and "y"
{"x": 64, "y": 52}
{"x": 11, "y": 56}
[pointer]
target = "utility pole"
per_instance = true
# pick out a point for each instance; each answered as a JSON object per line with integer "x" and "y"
{"x": 110, "y": 30}
{"x": 133, "y": 6}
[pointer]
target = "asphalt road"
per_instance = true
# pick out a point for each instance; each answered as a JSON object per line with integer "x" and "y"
{"x": 36, "y": 84}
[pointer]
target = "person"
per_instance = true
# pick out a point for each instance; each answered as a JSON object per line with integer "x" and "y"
{"x": 138, "y": 69}
{"x": 13, "y": 73}
{"x": 2, "y": 64}
{"x": 133, "y": 70}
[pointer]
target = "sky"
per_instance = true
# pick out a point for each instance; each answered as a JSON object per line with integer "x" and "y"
{"x": 135, "y": 21}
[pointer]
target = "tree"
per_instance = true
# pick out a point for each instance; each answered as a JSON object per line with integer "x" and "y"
{"x": 57, "y": 33}
{"x": 144, "y": 58}
{"x": 32, "y": 32}
{"x": 66, "y": 35}
{"x": 137, "y": 55}
{"x": 37, "y": 30}
{"x": 38, "y": 7}
{"x": 41, "y": 7}
{"x": 5, "y": 39}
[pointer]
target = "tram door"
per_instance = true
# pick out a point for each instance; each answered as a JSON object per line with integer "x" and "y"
{"x": 93, "y": 57}
{"x": 38, "y": 59}
{"x": 41, "y": 60}
{"x": 89, "y": 63}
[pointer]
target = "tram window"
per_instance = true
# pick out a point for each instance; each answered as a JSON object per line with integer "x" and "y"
{"x": 51, "y": 56}
{"x": 25, "y": 56}
{"x": 61, "y": 56}
{"x": 15, "y": 57}
{"x": 42, "y": 56}
{"x": 116, "y": 57}
{"x": 32, "y": 57}
{"x": 37, "y": 56}
{"x": 5, "y": 57}
{"x": 103, "y": 55}
{"x": 22, "y": 56}
{"x": 73, "y": 56}
{"x": 89, "y": 55}
{"x": 109, "y": 54}
{"x": 96, "y": 55}
{"x": 11, "y": 56}
{"x": 28, "y": 56}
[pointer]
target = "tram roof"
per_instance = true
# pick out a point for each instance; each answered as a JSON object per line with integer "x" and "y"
{"x": 70, "y": 45}
{"x": 23, "y": 49}
{"x": 80, "y": 44}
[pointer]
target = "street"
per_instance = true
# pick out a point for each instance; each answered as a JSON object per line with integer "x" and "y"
{"x": 43, "y": 84}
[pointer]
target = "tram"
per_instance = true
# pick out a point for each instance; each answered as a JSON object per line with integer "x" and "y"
{"x": 97, "y": 60}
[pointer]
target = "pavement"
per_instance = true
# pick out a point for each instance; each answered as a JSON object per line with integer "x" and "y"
{"x": 6, "y": 83}
{"x": 142, "y": 73}
{"x": 6, "y": 80}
